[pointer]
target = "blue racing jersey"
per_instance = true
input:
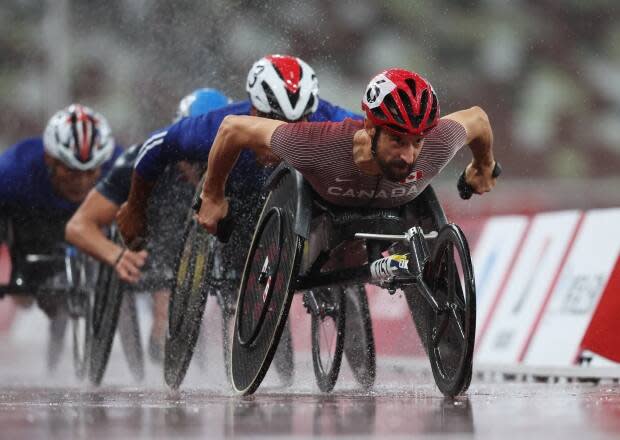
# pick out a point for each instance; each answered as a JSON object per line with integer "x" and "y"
{"x": 191, "y": 138}
{"x": 27, "y": 196}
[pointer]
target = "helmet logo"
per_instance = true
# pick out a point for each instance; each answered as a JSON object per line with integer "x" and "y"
{"x": 372, "y": 93}
{"x": 378, "y": 88}
{"x": 255, "y": 74}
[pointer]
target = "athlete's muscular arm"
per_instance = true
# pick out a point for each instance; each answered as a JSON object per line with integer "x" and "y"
{"x": 131, "y": 218}
{"x": 84, "y": 230}
{"x": 235, "y": 134}
{"x": 480, "y": 140}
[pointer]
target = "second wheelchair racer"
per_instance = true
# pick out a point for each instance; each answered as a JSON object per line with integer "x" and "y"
{"x": 171, "y": 196}
{"x": 283, "y": 88}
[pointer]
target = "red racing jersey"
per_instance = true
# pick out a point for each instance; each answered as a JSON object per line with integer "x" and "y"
{"x": 323, "y": 154}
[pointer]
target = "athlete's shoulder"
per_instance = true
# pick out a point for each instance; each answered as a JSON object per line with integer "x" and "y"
{"x": 235, "y": 108}
{"x": 24, "y": 155}
{"x": 326, "y": 111}
{"x": 127, "y": 157}
{"x": 447, "y": 131}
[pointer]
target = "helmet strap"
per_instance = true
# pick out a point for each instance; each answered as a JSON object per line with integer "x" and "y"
{"x": 375, "y": 139}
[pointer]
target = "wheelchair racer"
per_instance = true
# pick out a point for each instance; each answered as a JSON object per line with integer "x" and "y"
{"x": 385, "y": 161}
{"x": 43, "y": 181}
{"x": 173, "y": 193}
{"x": 279, "y": 87}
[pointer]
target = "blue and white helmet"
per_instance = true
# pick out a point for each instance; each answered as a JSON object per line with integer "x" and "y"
{"x": 201, "y": 101}
{"x": 79, "y": 137}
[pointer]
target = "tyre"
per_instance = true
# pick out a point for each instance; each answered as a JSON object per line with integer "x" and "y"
{"x": 131, "y": 338}
{"x": 267, "y": 287}
{"x": 359, "y": 342}
{"x": 108, "y": 295}
{"x": 187, "y": 301}
{"x": 327, "y": 311}
{"x": 452, "y": 331}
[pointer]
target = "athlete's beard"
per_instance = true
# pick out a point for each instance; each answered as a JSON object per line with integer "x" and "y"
{"x": 395, "y": 170}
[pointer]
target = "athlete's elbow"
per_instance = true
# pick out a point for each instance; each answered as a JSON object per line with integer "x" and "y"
{"x": 73, "y": 229}
{"x": 480, "y": 117}
{"x": 229, "y": 127}
{"x": 234, "y": 132}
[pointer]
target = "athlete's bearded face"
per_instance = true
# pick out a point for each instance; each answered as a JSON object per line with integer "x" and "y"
{"x": 396, "y": 154}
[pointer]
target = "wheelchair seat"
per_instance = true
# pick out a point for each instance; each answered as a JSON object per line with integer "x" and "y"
{"x": 350, "y": 220}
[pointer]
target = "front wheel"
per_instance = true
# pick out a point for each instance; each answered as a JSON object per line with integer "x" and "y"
{"x": 105, "y": 313}
{"x": 452, "y": 330}
{"x": 187, "y": 301}
{"x": 327, "y": 311}
{"x": 131, "y": 339}
{"x": 267, "y": 288}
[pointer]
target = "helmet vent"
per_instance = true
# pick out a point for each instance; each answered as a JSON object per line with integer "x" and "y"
{"x": 423, "y": 104}
{"x": 293, "y": 97}
{"x": 407, "y": 104}
{"x": 393, "y": 108}
{"x": 433, "y": 114}
{"x": 379, "y": 113}
{"x": 271, "y": 98}
{"x": 411, "y": 83}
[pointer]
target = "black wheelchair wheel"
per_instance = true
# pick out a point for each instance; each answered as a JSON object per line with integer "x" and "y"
{"x": 266, "y": 289}
{"x": 108, "y": 295}
{"x": 187, "y": 301}
{"x": 452, "y": 331}
{"x": 131, "y": 336}
{"x": 327, "y": 310}
{"x": 359, "y": 342}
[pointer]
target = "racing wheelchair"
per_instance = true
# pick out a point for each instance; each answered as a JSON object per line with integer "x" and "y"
{"x": 203, "y": 269}
{"x": 114, "y": 306}
{"x": 61, "y": 281}
{"x": 302, "y": 243}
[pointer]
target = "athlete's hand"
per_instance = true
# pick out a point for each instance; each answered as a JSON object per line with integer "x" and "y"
{"x": 129, "y": 266}
{"x": 132, "y": 226}
{"x": 480, "y": 177}
{"x": 212, "y": 210}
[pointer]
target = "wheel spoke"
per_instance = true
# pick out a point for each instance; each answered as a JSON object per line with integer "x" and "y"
{"x": 440, "y": 329}
{"x": 458, "y": 299}
{"x": 329, "y": 342}
{"x": 457, "y": 321}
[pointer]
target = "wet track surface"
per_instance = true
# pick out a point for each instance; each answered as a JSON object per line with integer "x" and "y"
{"x": 403, "y": 404}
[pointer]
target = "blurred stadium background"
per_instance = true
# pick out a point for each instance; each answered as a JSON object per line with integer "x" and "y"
{"x": 547, "y": 72}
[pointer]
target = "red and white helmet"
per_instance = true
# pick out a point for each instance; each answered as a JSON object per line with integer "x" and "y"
{"x": 283, "y": 86}
{"x": 401, "y": 101}
{"x": 79, "y": 137}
